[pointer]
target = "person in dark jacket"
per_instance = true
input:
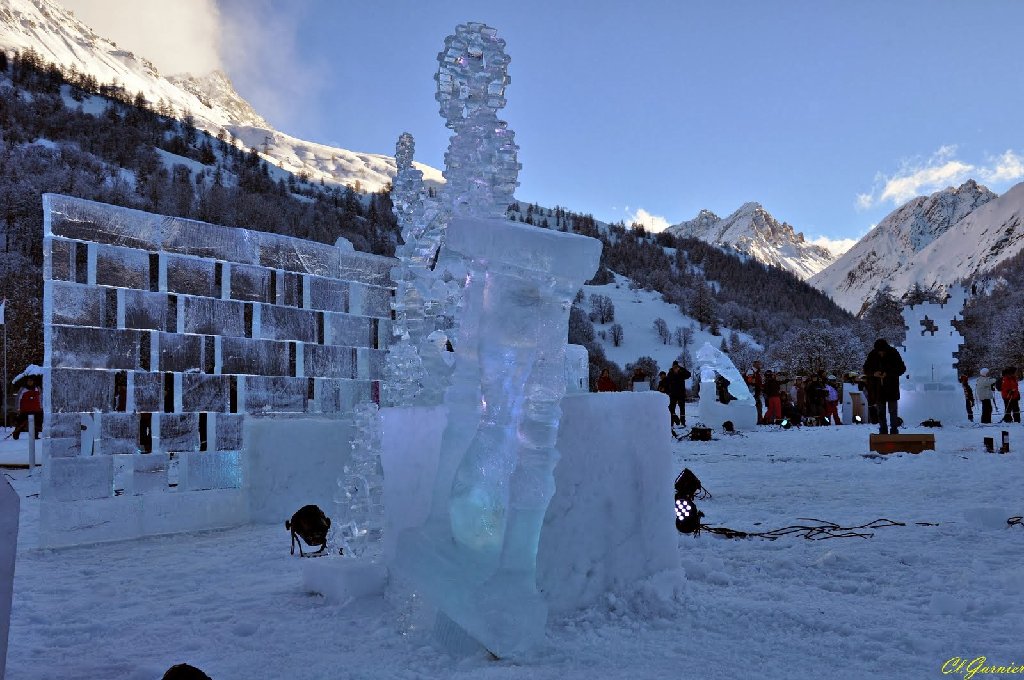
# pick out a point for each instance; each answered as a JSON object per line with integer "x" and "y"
{"x": 882, "y": 369}
{"x": 674, "y": 385}
{"x": 968, "y": 397}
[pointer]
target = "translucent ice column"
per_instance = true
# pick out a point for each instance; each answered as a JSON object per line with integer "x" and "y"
{"x": 476, "y": 555}
{"x": 360, "y": 496}
{"x": 405, "y": 376}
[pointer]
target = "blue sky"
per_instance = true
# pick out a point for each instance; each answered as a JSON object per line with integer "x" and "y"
{"x": 828, "y": 113}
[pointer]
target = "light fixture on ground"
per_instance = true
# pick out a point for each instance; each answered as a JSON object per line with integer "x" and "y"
{"x": 687, "y": 486}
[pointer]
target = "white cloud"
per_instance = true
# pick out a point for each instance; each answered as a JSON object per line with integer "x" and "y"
{"x": 652, "y": 223}
{"x": 1009, "y": 167}
{"x": 260, "y": 48}
{"x": 176, "y": 36}
{"x": 255, "y": 42}
{"x": 836, "y": 246}
{"x": 919, "y": 176}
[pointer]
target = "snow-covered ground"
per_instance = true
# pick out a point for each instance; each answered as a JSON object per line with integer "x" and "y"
{"x": 896, "y": 605}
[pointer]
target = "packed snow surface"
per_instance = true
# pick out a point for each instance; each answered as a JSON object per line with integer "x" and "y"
{"x": 897, "y": 605}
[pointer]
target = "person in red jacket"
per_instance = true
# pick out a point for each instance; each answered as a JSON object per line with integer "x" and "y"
{"x": 605, "y": 382}
{"x": 30, "y": 402}
{"x": 1010, "y": 391}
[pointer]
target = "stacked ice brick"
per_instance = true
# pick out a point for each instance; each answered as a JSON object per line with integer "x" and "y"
{"x": 163, "y": 334}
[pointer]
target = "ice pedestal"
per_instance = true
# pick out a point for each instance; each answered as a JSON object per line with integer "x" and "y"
{"x": 476, "y": 555}
{"x": 9, "y": 517}
{"x": 741, "y": 410}
{"x": 341, "y": 579}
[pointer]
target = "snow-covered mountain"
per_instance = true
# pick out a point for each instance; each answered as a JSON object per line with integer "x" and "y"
{"x": 752, "y": 230}
{"x": 59, "y": 37}
{"x": 933, "y": 241}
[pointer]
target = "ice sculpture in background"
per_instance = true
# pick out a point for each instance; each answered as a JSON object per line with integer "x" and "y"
{"x": 723, "y": 392}
{"x": 359, "y": 519}
{"x": 930, "y": 389}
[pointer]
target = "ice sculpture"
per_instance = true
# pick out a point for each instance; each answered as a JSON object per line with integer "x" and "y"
{"x": 359, "y": 520}
{"x": 476, "y": 554}
{"x": 723, "y": 392}
{"x": 929, "y": 388}
{"x": 481, "y": 171}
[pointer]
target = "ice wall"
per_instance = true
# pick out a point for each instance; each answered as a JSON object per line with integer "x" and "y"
{"x": 10, "y": 515}
{"x": 741, "y": 409}
{"x": 290, "y": 462}
{"x": 930, "y": 389}
{"x": 166, "y": 333}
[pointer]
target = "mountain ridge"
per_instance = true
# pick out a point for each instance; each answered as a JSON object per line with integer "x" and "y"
{"x": 752, "y": 230}
{"x": 931, "y": 241}
{"x": 59, "y": 37}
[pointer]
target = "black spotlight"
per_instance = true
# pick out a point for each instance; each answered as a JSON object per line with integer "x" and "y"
{"x": 858, "y": 420}
{"x": 312, "y": 525}
{"x": 687, "y": 485}
{"x": 786, "y": 424}
{"x": 687, "y": 516}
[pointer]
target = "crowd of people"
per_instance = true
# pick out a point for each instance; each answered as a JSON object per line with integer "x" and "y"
{"x": 814, "y": 399}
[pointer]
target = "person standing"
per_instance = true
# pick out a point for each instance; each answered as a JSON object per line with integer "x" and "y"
{"x": 755, "y": 383}
{"x": 30, "y": 403}
{"x": 983, "y": 388}
{"x": 771, "y": 388}
{"x": 968, "y": 397}
{"x": 605, "y": 382}
{"x": 832, "y": 402}
{"x": 883, "y": 368}
{"x": 1010, "y": 391}
{"x": 675, "y": 387}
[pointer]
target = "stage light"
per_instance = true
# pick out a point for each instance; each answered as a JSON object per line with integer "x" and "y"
{"x": 687, "y": 485}
{"x": 858, "y": 420}
{"x": 786, "y": 424}
{"x": 687, "y": 516}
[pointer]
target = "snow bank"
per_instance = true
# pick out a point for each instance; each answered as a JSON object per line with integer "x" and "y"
{"x": 9, "y": 517}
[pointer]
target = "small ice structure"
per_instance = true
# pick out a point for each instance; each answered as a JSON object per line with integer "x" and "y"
{"x": 930, "y": 389}
{"x": 476, "y": 554}
{"x": 715, "y": 366}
